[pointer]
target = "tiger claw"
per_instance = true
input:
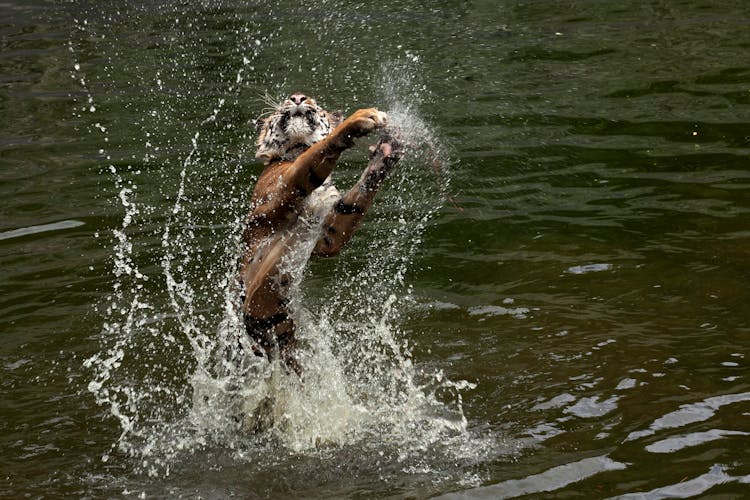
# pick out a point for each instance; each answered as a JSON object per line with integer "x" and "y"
{"x": 388, "y": 146}
{"x": 363, "y": 121}
{"x": 380, "y": 118}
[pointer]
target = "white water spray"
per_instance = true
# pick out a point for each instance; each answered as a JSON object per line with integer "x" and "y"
{"x": 163, "y": 371}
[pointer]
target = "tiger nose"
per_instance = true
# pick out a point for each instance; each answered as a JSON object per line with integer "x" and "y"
{"x": 297, "y": 98}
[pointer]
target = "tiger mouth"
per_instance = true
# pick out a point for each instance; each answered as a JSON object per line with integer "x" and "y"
{"x": 299, "y": 114}
{"x": 299, "y": 110}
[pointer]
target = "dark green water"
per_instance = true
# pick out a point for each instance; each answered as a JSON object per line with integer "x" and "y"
{"x": 590, "y": 275}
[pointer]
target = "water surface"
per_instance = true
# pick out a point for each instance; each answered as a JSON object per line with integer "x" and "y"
{"x": 571, "y": 320}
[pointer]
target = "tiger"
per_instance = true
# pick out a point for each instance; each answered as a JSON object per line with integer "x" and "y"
{"x": 297, "y": 212}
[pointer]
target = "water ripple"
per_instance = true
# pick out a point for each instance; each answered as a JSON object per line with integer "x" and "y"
{"x": 43, "y": 228}
{"x": 670, "y": 445}
{"x": 715, "y": 476}
{"x": 549, "y": 480}
{"x": 689, "y": 413}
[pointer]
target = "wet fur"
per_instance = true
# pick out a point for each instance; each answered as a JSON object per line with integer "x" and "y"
{"x": 300, "y": 144}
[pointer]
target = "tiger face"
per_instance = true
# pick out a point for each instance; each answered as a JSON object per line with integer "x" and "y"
{"x": 295, "y": 125}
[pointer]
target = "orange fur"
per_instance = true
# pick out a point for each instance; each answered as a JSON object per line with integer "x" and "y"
{"x": 276, "y": 203}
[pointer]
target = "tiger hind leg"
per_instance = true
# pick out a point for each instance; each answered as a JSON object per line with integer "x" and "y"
{"x": 272, "y": 335}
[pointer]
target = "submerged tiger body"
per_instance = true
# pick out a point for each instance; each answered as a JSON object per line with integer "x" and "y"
{"x": 296, "y": 210}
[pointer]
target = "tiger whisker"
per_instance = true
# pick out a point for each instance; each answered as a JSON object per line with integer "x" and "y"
{"x": 269, "y": 101}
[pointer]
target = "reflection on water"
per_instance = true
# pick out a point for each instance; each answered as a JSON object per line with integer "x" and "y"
{"x": 586, "y": 278}
{"x": 670, "y": 445}
{"x": 26, "y": 231}
{"x": 547, "y": 481}
{"x": 689, "y": 414}
{"x": 716, "y": 476}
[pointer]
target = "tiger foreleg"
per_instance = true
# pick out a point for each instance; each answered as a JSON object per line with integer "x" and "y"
{"x": 311, "y": 169}
{"x": 347, "y": 213}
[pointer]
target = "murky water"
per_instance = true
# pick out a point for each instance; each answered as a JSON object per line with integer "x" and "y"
{"x": 548, "y": 299}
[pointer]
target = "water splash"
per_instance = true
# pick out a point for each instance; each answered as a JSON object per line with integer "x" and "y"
{"x": 163, "y": 372}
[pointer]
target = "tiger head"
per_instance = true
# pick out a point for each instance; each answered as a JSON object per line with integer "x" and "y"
{"x": 295, "y": 125}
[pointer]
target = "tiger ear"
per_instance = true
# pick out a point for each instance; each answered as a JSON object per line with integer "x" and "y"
{"x": 336, "y": 118}
{"x": 263, "y": 154}
{"x": 266, "y": 153}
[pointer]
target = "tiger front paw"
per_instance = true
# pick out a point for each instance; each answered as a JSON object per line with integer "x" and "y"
{"x": 389, "y": 147}
{"x": 364, "y": 121}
